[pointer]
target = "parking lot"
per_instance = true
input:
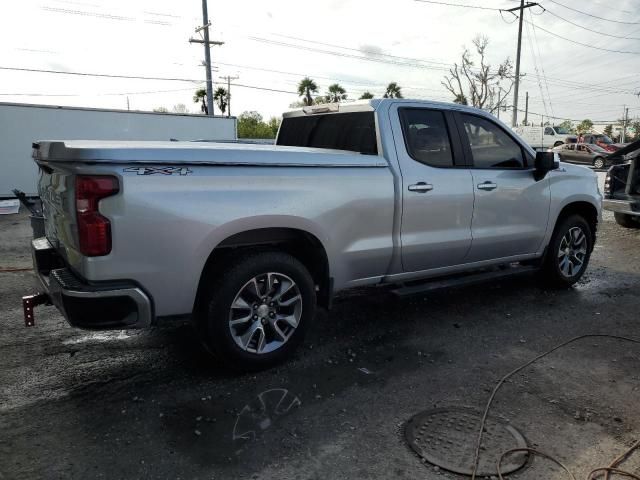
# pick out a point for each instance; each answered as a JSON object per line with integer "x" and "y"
{"x": 151, "y": 404}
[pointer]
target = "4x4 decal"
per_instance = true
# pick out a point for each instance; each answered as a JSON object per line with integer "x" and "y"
{"x": 159, "y": 170}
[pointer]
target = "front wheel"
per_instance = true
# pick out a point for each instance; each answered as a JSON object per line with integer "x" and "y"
{"x": 627, "y": 221}
{"x": 568, "y": 252}
{"x": 598, "y": 163}
{"x": 557, "y": 144}
{"x": 257, "y": 312}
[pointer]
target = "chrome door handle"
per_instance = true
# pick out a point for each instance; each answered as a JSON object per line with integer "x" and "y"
{"x": 487, "y": 186}
{"x": 421, "y": 187}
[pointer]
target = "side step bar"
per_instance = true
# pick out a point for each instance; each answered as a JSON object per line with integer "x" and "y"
{"x": 464, "y": 280}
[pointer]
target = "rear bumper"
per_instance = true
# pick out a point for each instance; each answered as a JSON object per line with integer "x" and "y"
{"x": 95, "y": 305}
{"x": 622, "y": 206}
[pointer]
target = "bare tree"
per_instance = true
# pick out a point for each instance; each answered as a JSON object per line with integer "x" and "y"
{"x": 479, "y": 85}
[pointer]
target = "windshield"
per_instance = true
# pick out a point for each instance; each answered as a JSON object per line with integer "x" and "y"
{"x": 562, "y": 131}
{"x": 603, "y": 139}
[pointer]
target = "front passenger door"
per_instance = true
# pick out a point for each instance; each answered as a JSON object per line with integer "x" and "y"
{"x": 511, "y": 207}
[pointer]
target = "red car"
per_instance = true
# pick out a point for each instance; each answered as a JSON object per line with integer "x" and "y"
{"x": 600, "y": 140}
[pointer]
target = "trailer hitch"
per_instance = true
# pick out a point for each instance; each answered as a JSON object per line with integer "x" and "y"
{"x": 29, "y": 302}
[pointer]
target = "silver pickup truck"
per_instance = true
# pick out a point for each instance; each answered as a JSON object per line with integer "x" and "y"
{"x": 249, "y": 239}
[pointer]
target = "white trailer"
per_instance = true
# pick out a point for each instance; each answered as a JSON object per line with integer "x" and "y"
{"x": 23, "y": 124}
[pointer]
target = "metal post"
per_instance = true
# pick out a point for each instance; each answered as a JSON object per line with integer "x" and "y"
{"x": 526, "y": 109}
{"x": 514, "y": 120}
{"x": 207, "y": 57}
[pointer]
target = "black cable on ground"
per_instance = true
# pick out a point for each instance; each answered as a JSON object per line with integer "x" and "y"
{"x": 606, "y": 470}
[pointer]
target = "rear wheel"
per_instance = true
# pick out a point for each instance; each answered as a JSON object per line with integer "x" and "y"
{"x": 568, "y": 252}
{"x": 256, "y": 314}
{"x": 598, "y": 163}
{"x": 627, "y": 221}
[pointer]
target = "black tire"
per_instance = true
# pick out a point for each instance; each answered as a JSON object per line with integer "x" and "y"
{"x": 552, "y": 272}
{"x": 626, "y": 221}
{"x": 557, "y": 144}
{"x": 213, "y": 321}
{"x": 599, "y": 163}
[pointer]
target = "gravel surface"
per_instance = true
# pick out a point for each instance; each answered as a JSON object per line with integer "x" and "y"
{"x": 151, "y": 404}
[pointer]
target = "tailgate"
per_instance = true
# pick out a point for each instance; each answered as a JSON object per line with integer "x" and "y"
{"x": 56, "y": 190}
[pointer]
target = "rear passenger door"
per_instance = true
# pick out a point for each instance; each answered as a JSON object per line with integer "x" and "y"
{"x": 437, "y": 189}
{"x": 511, "y": 207}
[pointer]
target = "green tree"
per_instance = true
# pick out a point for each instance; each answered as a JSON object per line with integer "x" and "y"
{"x": 251, "y": 125}
{"x": 335, "y": 93}
{"x": 584, "y": 126}
{"x": 635, "y": 125}
{"x": 366, "y": 95}
{"x": 567, "y": 125}
{"x": 201, "y": 97}
{"x": 274, "y": 125}
{"x": 305, "y": 88}
{"x": 161, "y": 110}
{"x": 393, "y": 91}
{"x": 608, "y": 131}
{"x": 221, "y": 97}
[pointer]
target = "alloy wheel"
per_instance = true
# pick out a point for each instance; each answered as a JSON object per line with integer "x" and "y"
{"x": 572, "y": 252}
{"x": 265, "y": 313}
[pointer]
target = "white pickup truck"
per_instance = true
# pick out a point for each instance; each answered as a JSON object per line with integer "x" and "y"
{"x": 249, "y": 239}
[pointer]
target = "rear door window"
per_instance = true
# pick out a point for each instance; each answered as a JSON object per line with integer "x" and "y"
{"x": 353, "y": 131}
{"x": 426, "y": 136}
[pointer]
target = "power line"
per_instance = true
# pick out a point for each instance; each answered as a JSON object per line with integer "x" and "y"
{"x": 535, "y": 66}
{"x": 104, "y": 75}
{"x": 593, "y": 16}
{"x": 580, "y": 43}
{"x": 544, "y": 76}
{"x": 458, "y": 5}
{"x": 590, "y": 29}
{"x": 93, "y": 94}
{"x": 345, "y": 55}
{"x": 138, "y": 77}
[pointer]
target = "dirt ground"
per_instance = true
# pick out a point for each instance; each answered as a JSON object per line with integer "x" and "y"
{"x": 151, "y": 404}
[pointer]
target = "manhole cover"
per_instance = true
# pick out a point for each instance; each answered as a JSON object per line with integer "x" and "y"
{"x": 447, "y": 437}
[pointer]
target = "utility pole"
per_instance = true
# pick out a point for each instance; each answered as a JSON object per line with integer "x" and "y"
{"x": 526, "y": 109}
{"x": 625, "y": 115}
{"x": 514, "y": 120}
{"x": 207, "y": 53}
{"x": 228, "y": 78}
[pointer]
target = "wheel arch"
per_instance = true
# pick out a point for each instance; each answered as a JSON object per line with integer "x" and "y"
{"x": 585, "y": 209}
{"x": 299, "y": 243}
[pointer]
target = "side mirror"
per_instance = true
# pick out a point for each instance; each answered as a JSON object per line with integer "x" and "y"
{"x": 545, "y": 162}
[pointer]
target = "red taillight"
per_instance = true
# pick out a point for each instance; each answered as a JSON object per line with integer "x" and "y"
{"x": 94, "y": 230}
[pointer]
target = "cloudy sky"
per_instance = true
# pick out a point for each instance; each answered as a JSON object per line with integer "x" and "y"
{"x": 271, "y": 45}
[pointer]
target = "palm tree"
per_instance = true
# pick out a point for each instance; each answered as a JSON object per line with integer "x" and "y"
{"x": 335, "y": 93}
{"x": 305, "y": 88}
{"x": 221, "y": 97}
{"x": 201, "y": 96}
{"x": 366, "y": 95}
{"x": 393, "y": 91}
